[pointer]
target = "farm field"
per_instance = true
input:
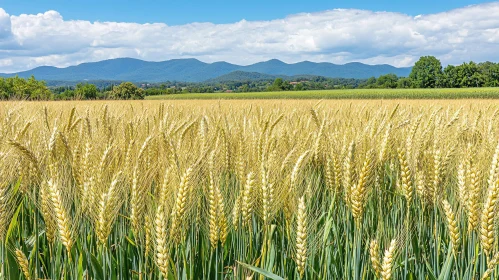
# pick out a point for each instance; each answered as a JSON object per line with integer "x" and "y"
{"x": 250, "y": 189}
{"x": 446, "y": 93}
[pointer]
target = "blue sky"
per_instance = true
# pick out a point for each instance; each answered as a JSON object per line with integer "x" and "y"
{"x": 182, "y": 12}
{"x": 64, "y": 33}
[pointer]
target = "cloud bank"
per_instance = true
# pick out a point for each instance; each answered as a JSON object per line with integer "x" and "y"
{"x": 338, "y": 36}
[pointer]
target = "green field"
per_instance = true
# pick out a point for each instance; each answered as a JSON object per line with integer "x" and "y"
{"x": 447, "y": 93}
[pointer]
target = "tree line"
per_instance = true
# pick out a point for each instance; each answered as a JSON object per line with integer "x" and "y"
{"x": 308, "y": 82}
{"x": 16, "y": 88}
{"x": 429, "y": 73}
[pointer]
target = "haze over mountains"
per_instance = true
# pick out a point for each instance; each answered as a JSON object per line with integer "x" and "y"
{"x": 193, "y": 70}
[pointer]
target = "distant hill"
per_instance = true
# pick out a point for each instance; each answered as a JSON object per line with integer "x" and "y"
{"x": 243, "y": 76}
{"x": 98, "y": 83}
{"x": 193, "y": 70}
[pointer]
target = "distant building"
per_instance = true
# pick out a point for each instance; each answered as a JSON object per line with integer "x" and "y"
{"x": 229, "y": 91}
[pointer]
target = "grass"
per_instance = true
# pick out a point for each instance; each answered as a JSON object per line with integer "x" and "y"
{"x": 454, "y": 93}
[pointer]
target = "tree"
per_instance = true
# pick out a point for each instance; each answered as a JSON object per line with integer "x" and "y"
{"x": 450, "y": 77}
{"x": 387, "y": 81}
{"x": 66, "y": 94}
{"x": 426, "y": 72}
{"x": 278, "y": 84}
{"x": 127, "y": 90}
{"x": 20, "y": 88}
{"x": 244, "y": 88}
{"x": 490, "y": 73}
{"x": 404, "y": 83}
{"x": 86, "y": 91}
{"x": 469, "y": 76}
{"x": 370, "y": 83}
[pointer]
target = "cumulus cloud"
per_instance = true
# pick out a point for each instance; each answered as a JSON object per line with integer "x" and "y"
{"x": 338, "y": 36}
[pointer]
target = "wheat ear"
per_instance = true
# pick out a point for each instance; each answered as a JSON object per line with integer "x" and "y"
{"x": 406, "y": 177}
{"x": 473, "y": 201}
{"x": 359, "y": 190}
{"x": 388, "y": 259}
{"x": 491, "y": 266}
{"x": 487, "y": 221}
{"x": 45, "y": 209}
{"x": 247, "y": 201}
{"x": 180, "y": 205}
{"x": 213, "y": 213}
{"x": 374, "y": 255}
{"x": 161, "y": 243}
{"x": 62, "y": 218}
{"x": 452, "y": 226}
{"x": 23, "y": 263}
{"x": 301, "y": 237}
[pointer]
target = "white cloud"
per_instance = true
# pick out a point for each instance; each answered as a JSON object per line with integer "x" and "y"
{"x": 4, "y": 24}
{"x": 339, "y": 36}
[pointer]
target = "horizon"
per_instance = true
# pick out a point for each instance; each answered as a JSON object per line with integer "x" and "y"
{"x": 42, "y": 35}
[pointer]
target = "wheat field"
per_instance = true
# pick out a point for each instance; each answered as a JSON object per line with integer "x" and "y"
{"x": 249, "y": 190}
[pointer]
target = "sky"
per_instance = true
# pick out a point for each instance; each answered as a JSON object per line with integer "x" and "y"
{"x": 187, "y": 11}
{"x": 63, "y": 33}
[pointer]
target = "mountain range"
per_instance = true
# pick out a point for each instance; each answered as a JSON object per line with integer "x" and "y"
{"x": 193, "y": 70}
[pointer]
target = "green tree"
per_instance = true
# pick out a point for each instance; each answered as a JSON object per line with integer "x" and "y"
{"x": 370, "y": 83}
{"x": 404, "y": 83}
{"x": 469, "y": 75}
{"x": 127, "y": 90}
{"x": 490, "y": 73}
{"x": 66, "y": 95}
{"x": 278, "y": 84}
{"x": 426, "y": 72}
{"x": 86, "y": 91}
{"x": 244, "y": 88}
{"x": 450, "y": 78}
{"x": 19, "y": 88}
{"x": 387, "y": 81}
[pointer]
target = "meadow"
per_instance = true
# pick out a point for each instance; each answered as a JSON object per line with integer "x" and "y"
{"x": 418, "y": 93}
{"x": 249, "y": 189}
